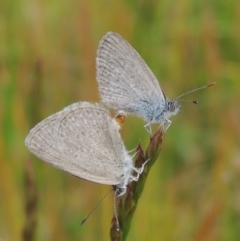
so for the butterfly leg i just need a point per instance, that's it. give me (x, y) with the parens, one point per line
(167, 123)
(148, 128)
(161, 125)
(133, 151)
(138, 171)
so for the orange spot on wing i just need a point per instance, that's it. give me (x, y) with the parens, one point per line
(120, 118)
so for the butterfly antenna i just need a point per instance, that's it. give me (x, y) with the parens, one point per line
(85, 219)
(203, 87)
(191, 101)
(115, 211)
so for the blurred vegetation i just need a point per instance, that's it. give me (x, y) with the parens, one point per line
(47, 61)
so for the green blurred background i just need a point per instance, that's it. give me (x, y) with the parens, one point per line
(47, 61)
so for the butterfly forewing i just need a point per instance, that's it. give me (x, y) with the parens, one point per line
(83, 140)
(125, 81)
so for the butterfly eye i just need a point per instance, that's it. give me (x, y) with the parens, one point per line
(172, 107)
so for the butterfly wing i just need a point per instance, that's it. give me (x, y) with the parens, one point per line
(125, 81)
(81, 140)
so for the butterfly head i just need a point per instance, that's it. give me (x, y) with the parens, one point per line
(173, 108)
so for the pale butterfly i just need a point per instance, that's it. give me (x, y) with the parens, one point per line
(84, 141)
(127, 85)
